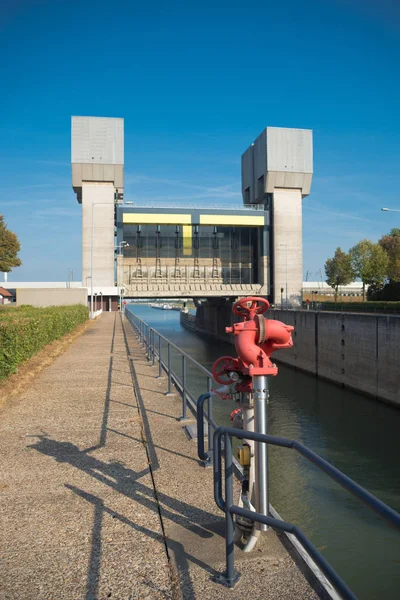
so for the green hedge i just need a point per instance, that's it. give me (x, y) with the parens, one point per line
(369, 306)
(25, 330)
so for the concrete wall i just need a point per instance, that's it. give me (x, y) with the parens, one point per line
(52, 297)
(358, 351)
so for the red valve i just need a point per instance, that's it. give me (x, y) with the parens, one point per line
(256, 338)
(222, 367)
(258, 306)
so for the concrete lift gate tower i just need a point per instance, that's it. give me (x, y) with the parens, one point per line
(97, 156)
(277, 170)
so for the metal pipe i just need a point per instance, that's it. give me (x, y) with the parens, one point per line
(159, 358)
(260, 395)
(210, 429)
(169, 370)
(184, 402)
(230, 527)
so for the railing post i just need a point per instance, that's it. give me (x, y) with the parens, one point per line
(159, 358)
(152, 347)
(210, 430)
(184, 399)
(201, 453)
(230, 577)
(169, 392)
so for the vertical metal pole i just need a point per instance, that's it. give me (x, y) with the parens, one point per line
(210, 429)
(169, 370)
(260, 394)
(153, 355)
(91, 265)
(286, 279)
(184, 401)
(159, 357)
(230, 527)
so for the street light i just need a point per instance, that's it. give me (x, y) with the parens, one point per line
(121, 245)
(285, 246)
(119, 285)
(390, 209)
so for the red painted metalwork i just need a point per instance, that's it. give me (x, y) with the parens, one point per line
(256, 338)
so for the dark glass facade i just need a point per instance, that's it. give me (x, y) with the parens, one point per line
(234, 249)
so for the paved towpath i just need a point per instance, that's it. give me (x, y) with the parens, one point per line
(83, 515)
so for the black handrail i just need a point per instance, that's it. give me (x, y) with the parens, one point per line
(231, 576)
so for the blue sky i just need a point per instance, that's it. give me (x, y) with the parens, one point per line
(196, 83)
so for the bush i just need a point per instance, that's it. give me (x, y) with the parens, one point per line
(25, 330)
(364, 307)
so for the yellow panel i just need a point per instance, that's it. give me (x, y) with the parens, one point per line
(187, 239)
(157, 219)
(232, 220)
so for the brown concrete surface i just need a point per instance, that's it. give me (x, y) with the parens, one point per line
(80, 507)
(78, 513)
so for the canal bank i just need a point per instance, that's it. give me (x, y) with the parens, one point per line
(357, 435)
(357, 351)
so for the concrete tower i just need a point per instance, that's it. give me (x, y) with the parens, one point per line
(277, 170)
(97, 157)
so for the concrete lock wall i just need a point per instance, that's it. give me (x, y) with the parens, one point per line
(52, 296)
(357, 351)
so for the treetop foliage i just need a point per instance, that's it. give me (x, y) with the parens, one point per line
(9, 248)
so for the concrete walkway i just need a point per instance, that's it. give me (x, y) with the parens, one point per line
(83, 515)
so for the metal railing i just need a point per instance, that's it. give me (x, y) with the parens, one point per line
(230, 577)
(193, 205)
(154, 343)
(220, 440)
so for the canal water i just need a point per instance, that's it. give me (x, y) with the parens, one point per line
(361, 437)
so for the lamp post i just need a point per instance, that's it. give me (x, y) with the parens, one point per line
(119, 284)
(286, 286)
(91, 252)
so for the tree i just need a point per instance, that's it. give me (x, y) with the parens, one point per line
(370, 263)
(9, 248)
(391, 244)
(339, 270)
